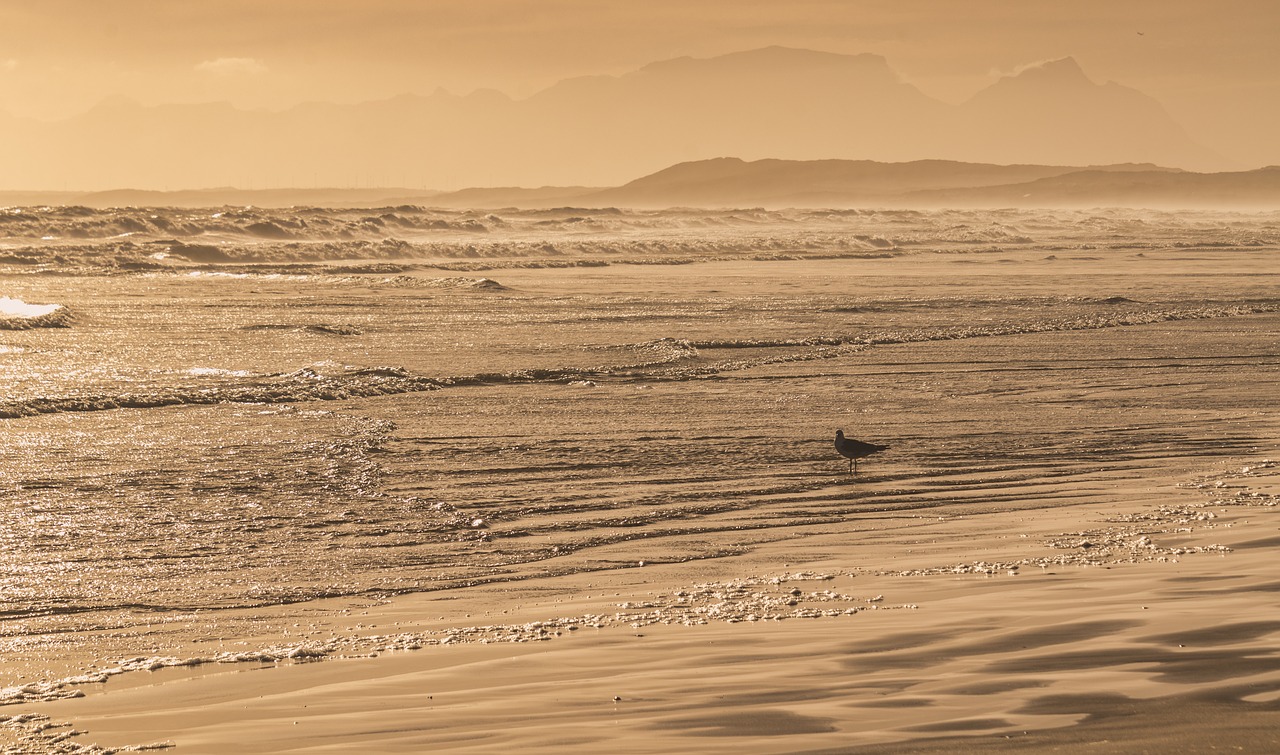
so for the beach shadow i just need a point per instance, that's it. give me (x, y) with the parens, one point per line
(759, 723)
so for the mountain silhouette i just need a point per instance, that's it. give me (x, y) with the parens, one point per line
(774, 102)
(729, 182)
(1088, 123)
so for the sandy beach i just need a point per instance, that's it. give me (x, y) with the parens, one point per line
(1149, 647)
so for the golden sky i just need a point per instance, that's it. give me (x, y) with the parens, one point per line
(1214, 65)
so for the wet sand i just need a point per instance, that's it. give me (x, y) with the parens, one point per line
(1174, 653)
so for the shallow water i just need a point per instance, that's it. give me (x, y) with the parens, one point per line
(318, 416)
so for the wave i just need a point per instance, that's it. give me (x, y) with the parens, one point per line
(298, 269)
(409, 281)
(280, 234)
(248, 223)
(322, 383)
(370, 275)
(660, 359)
(307, 384)
(216, 372)
(754, 343)
(835, 346)
(255, 275)
(317, 329)
(1082, 322)
(16, 314)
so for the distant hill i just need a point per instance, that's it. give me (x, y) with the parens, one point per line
(773, 102)
(734, 182)
(1244, 190)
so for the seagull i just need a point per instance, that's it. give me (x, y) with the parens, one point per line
(854, 450)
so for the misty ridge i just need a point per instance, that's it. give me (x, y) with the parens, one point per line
(774, 103)
(726, 183)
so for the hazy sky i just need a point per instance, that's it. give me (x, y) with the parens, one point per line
(1214, 64)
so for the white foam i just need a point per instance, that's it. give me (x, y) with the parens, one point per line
(245, 276)
(208, 371)
(18, 308)
(215, 274)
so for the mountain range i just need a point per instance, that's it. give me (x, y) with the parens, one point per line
(773, 102)
(736, 183)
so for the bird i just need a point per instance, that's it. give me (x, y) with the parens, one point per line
(854, 450)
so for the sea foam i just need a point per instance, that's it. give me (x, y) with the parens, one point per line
(17, 308)
(16, 314)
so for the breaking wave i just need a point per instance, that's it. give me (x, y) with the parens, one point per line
(16, 314)
(309, 241)
(409, 281)
(316, 329)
